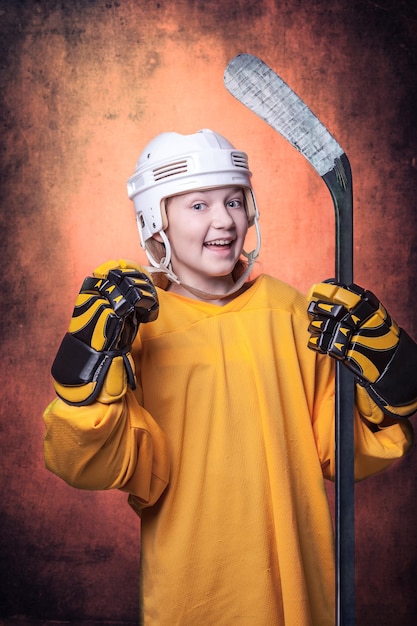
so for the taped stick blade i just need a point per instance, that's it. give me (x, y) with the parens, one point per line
(261, 90)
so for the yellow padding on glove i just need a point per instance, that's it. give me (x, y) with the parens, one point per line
(333, 294)
(367, 407)
(402, 411)
(74, 394)
(115, 383)
(102, 270)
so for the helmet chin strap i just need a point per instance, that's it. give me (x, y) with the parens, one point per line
(165, 267)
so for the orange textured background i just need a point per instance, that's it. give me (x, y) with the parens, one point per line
(85, 85)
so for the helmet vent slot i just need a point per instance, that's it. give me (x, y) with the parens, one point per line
(240, 160)
(172, 169)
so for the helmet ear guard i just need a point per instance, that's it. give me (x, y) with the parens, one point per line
(172, 164)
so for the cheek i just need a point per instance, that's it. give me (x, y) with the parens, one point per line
(181, 236)
(242, 225)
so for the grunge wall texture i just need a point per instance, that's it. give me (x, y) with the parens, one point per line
(84, 85)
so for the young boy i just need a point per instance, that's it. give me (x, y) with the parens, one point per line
(224, 434)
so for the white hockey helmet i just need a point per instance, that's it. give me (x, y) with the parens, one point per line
(172, 164)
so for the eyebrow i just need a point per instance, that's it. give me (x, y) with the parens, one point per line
(236, 189)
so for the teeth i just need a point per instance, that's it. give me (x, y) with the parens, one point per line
(218, 242)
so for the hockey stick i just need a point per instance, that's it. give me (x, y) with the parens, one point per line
(260, 89)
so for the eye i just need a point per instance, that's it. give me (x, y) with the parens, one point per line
(198, 206)
(235, 203)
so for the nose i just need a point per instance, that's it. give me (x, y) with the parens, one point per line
(222, 217)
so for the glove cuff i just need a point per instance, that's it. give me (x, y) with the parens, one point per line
(395, 391)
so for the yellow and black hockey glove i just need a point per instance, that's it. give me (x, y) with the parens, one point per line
(94, 360)
(350, 324)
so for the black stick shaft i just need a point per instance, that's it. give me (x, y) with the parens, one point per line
(344, 408)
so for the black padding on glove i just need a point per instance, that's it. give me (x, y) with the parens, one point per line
(77, 363)
(397, 386)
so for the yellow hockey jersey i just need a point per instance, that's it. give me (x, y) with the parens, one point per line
(223, 447)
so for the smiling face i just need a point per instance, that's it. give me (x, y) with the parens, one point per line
(207, 230)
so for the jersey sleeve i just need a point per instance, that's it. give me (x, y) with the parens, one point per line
(114, 446)
(377, 450)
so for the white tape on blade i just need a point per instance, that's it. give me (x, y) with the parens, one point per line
(260, 89)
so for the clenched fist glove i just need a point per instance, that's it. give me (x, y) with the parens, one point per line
(94, 360)
(350, 324)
